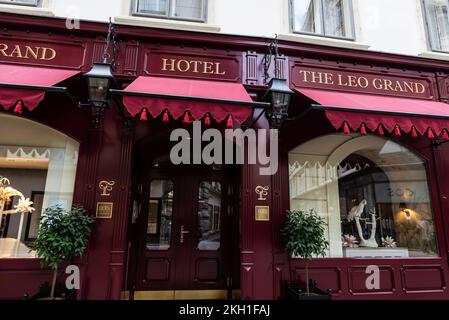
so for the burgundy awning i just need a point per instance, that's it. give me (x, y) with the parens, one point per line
(199, 98)
(28, 84)
(361, 112)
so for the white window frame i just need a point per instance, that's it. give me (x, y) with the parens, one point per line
(37, 3)
(170, 9)
(352, 37)
(427, 26)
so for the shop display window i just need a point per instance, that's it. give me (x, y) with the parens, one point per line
(39, 164)
(372, 192)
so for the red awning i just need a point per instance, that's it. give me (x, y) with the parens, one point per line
(29, 77)
(367, 111)
(199, 97)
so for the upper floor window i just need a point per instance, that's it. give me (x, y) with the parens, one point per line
(436, 12)
(33, 3)
(330, 18)
(194, 10)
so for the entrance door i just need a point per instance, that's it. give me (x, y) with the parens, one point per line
(188, 234)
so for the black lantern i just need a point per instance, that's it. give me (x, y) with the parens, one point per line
(101, 77)
(99, 80)
(279, 95)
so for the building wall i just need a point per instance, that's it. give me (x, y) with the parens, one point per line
(380, 25)
(106, 153)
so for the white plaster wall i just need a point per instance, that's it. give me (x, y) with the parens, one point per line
(252, 17)
(391, 26)
(380, 25)
(95, 10)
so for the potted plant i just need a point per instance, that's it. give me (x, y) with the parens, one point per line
(304, 237)
(62, 235)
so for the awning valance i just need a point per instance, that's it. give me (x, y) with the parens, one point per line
(178, 97)
(382, 114)
(27, 85)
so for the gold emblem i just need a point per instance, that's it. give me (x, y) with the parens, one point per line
(262, 192)
(106, 187)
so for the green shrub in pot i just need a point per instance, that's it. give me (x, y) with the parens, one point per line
(304, 237)
(62, 235)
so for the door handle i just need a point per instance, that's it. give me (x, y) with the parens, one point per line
(183, 232)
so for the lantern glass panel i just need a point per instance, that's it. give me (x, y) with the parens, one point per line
(98, 89)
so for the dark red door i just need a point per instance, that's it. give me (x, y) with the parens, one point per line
(188, 232)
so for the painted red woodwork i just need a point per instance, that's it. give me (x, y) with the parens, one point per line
(427, 276)
(362, 104)
(358, 276)
(108, 153)
(195, 65)
(157, 270)
(188, 88)
(353, 81)
(43, 52)
(182, 266)
(207, 269)
(34, 76)
(423, 278)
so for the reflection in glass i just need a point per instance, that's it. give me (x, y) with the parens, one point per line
(333, 11)
(209, 215)
(305, 16)
(330, 18)
(188, 9)
(156, 7)
(372, 192)
(160, 213)
(438, 24)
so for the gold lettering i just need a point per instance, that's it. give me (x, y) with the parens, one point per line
(44, 54)
(388, 85)
(16, 52)
(305, 74)
(328, 78)
(186, 65)
(409, 87)
(398, 87)
(363, 82)
(352, 81)
(217, 69)
(34, 54)
(340, 81)
(317, 77)
(170, 65)
(208, 67)
(27, 52)
(419, 88)
(377, 84)
(3, 48)
(195, 65)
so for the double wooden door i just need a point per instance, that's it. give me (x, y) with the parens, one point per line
(186, 234)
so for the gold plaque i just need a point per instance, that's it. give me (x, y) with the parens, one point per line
(262, 213)
(104, 210)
